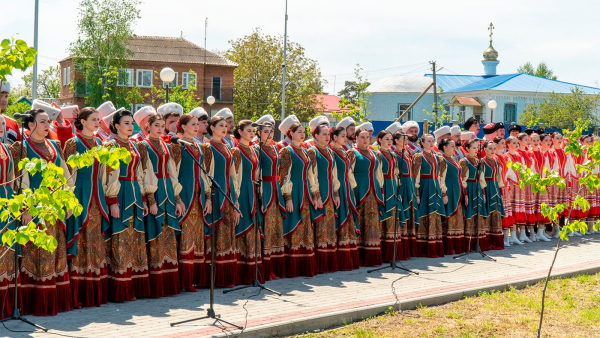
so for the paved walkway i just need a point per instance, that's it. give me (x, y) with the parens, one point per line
(306, 297)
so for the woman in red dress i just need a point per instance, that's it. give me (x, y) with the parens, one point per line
(508, 220)
(516, 199)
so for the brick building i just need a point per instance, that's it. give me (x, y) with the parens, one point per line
(214, 73)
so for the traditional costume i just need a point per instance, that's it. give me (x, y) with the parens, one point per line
(406, 204)
(493, 206)
(227, 114)
(298, 185)
(7, 258)
(366, 166)
(85, 239)
(345, 123)
(283, 128)
(453, 227)
(473, 204)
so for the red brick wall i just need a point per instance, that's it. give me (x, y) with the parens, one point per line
(226, 74)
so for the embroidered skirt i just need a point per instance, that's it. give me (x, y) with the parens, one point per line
(326, 240)
(7, 281)
(387, 240)
(273, 244)
(471, 234)
(226, 269)
(429, 236)
(453, 232)
(300, 248)
(193, 270)
(494, 227)
(347, 246)
(162, 261)
(89, 268)
(246, 246)
(370, 232)
(508, 220)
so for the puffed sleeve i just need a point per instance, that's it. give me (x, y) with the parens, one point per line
(336, 181)
(416, 171)
(146, 178)
(236, 170)
(443, 172)
(352, 161)
(209, 166)
(173, 168)
(482, 177)
(313, 173)
(112, 185)
(65, 168)
(379, 172)
(499, 175)
(71, 149)
(15, 151)
(284, 173)
(464, 175)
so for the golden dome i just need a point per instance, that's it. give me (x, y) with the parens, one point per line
(490, 54)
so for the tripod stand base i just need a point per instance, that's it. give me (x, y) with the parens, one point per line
(477, 250)
(255, 284)
(16, 315)
(393, 265)
(210, 313)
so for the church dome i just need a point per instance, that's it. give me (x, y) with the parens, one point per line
(490, 54)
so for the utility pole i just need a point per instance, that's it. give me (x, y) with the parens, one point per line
(435, 98)
(284, 69)
(204, 70)
(35, 45)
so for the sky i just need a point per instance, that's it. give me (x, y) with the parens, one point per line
(385, 37)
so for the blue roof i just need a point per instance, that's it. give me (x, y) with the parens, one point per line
(519, 82)
(450, 82)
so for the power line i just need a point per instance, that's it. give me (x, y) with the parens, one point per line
(377, 70)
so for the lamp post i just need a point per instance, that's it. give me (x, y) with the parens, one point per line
(492, 105)
(210, 100)
(167, 75)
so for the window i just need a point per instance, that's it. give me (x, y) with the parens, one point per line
(216, 87)
(64, 76)
(173, 83)
(188, 80)
(144, 78)
(510, 112)
(125, 78)
(139, 106)
(401, 109)
(68, 75)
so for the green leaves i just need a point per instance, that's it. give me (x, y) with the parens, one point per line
(109, 156)
(15, 53)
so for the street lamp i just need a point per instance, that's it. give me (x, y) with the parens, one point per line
(492, 105)
(167, 75)
(210, 100)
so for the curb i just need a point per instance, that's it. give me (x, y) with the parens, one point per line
(338, 318)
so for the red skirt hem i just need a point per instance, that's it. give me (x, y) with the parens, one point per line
(164, 281)
(90, 290)
(454, 245)
(300, 263)
(387, 250)
(327, 259)
(370, 256)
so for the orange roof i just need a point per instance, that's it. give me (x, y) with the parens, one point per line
(329, 103)
(467, 101)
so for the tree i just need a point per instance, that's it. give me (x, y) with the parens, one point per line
(442, 115)
(258, 77)
(187, 98)
(48, 83)
(101, 48)
(354, 98)
(542, 70)
(588, 180)
(561, 109)
(15, 54)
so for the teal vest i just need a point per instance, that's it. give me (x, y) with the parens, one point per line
(88, 190)
(246, 199)
(407, 199)
(347, 207)
(324, 166)
(222, 171)
(429, 187)
(164, 195)
(453, 185)
(130, 198)
(390, 184)
(364, 173)
(271, 189)
(300, 191)
(190, 179)
(473, 192)
(493, 198)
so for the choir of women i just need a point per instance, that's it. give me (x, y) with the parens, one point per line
(319, 207)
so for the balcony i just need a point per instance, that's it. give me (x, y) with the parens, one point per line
(222, 95)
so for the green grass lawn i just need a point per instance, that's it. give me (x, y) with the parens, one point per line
(572, 310)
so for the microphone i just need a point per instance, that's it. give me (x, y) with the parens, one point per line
(20, 116)
(177, 140)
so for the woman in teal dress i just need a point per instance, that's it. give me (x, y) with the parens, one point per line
(493, 205)
(324, 168)
(89, 263)
(426, 171)
(346, 221)
(165, 207)
(453, 227)
(300, 191)
(407, 199)
(273, 205)
(126, 195)
(245, 157)
(473, 202)
(224, 218)
(195, 196)
(44, 275)
(389, 225)
(366, 166)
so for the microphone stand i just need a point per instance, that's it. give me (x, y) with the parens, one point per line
(478, 214)
(257, 194)
(210, 313)
(16, 314)
(393, 265)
